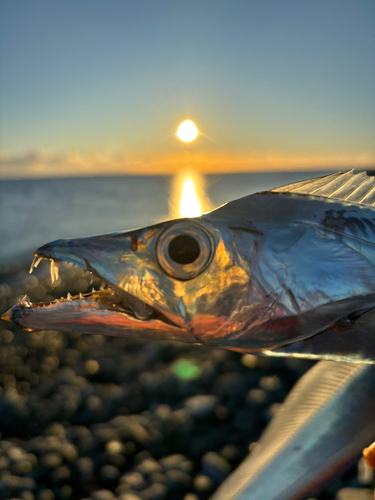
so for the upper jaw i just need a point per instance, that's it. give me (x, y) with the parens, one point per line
(113, 259)
(134, 312)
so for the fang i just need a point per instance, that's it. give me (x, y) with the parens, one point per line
(52, 271)
(35, 263)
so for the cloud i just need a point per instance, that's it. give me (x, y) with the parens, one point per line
(39, 163)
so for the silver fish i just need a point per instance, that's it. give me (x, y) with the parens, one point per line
(324, 423)
(288, 272)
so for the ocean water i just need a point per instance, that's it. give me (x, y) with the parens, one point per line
(33, 212)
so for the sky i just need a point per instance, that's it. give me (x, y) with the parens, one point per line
(94, 87)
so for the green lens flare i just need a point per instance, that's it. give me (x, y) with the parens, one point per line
(186, 369)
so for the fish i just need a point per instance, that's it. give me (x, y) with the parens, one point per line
(286, 272)
(320, 429)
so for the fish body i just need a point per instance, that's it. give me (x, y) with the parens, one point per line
(323, 425)
(286, 272)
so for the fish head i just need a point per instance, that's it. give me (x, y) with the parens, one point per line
(177, 280)
(287, 272)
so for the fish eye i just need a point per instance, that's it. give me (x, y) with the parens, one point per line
(184, 250)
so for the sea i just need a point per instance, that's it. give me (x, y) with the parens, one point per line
(35, 211)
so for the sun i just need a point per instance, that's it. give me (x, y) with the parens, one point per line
(187, 131)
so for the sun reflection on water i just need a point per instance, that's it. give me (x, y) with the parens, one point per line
(188, 196)
(189, 203)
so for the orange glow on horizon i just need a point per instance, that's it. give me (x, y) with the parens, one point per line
(74, 164)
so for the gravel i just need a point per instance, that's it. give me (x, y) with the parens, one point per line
(101, 418)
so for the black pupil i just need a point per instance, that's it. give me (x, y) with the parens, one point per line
(184, 249)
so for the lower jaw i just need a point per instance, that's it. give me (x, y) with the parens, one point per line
(92, 317)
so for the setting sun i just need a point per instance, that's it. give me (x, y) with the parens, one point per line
(187, 131)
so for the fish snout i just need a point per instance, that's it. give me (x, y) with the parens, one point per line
(48, 251)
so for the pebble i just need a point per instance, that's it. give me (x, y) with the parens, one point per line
(109, 472)
(46, 495)
(114, 447)
(51, 460)
(229, 452)
(85, 464)
(91, 367)
(60, 474)
(249, 360)
(66, 491)
(177, 462)
(155, 492)
(177, 479)
(129, 496)
(133, 480)
(257, 396)
(215, 466)
(271, 383)
(201, 406)
(148, 466)
(203, 483)
(102, 495)
(27, 495)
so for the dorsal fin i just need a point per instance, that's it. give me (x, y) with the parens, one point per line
(346, 186)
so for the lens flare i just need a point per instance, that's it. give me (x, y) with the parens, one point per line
(187, 131)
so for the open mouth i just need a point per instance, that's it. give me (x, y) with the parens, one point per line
(109, 296)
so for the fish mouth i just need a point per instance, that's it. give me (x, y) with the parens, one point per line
(109, 301)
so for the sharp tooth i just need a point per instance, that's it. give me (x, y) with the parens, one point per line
(32, 265)
(52, 271)
(91, 279)
(25, 298)
(56, 270)
(35, 263)
(68, 296)
(93, 290)
(80, 295)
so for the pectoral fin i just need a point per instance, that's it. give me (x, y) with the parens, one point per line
(351, 339)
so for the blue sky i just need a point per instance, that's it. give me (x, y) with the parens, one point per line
(104, 83)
